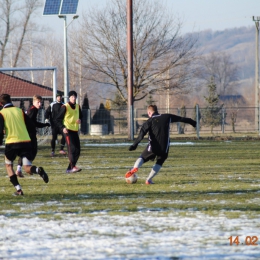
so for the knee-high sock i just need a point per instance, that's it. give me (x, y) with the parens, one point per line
(138, 163)
(156, 168)
(14, 181)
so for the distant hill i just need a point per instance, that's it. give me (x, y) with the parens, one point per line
(238, 42)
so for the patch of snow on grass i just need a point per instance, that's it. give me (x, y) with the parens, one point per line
(143, 235)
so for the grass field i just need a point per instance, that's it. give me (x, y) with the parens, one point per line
(206, 192)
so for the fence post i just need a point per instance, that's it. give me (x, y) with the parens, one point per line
(259, 120)
(88, 121)
(198, 121)
(223, 120)
(178, 123)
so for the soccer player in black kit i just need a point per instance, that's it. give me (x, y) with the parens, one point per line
(32, 113)
(51, 116)
(158, 128)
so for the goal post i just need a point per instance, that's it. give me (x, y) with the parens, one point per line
(53, 69)
(23, 83)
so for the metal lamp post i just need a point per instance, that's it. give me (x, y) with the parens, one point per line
(256, 19)
(66, 63)
(130, 69)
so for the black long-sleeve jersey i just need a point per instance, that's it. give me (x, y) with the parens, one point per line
(53, 111)
(158, 128)
(32, 112)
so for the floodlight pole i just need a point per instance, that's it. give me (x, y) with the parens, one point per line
(66, 62)
(256, 19)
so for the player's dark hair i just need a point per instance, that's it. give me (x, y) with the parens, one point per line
(5, 99)
(152, 108)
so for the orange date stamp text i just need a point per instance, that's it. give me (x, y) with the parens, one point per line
(249, 240)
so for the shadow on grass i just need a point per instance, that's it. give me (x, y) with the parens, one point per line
(130, 202)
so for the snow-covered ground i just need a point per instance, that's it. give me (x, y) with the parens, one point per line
(128, 144)
(143, 235)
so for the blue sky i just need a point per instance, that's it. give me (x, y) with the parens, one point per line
(197, 15)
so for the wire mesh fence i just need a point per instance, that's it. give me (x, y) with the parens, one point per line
(114, 122)
(229, 120)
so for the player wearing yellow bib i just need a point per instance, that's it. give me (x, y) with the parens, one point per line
(16, 126)
(68, 121)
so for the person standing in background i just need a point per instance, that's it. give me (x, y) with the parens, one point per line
(68, 120)
(51, 116)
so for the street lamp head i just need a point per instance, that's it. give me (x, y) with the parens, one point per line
(75, 16)
(61, 16)
(256, 18)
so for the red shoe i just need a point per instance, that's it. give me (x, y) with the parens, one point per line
(131, 172)
(19, 174)
(149, 182)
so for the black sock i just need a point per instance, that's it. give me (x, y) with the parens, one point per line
(33, 169)
(14, 180)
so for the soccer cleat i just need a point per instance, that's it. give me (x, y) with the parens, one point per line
(18, 193)
(43, 174)
(73, 170)
(19, 174)
(149, 182)
(131, 172)
(52, 154)
(62, 152)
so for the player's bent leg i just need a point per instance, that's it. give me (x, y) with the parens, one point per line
(131, 172)
(9, 167)
(19, 168)
(32, 169)
(138, 163)
(43, 174)
(14, 181)
(156, 168)
(27, 164)
(13, 178)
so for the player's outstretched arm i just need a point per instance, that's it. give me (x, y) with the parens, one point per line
(189, 121)
(186, 120)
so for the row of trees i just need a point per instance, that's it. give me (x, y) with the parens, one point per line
(164, 58)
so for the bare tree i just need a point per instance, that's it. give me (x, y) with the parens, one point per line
(15, 22)
(219, 66)
(162, 57)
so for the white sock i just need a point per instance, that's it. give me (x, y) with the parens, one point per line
(18, 187)
(19, 168)
(156, 168)
(139, 162)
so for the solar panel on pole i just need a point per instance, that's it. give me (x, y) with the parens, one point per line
(52, 7)
(60, 7)
(69, 7)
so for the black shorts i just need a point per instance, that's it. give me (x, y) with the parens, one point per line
(56, 131)
(19, 149)
(148, 155)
